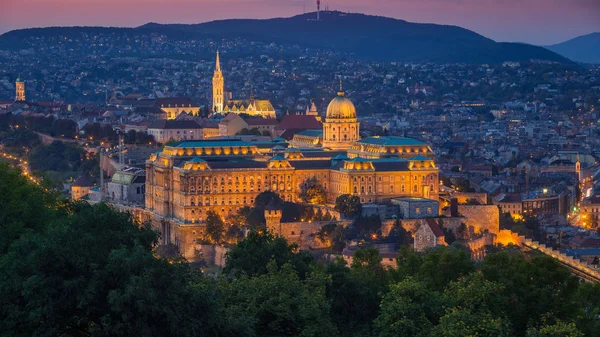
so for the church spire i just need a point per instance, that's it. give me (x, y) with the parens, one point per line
(218, 63)
(341, 92)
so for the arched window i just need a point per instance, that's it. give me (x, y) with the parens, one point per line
(415, 189)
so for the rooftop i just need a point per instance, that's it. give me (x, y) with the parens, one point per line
(390, 141)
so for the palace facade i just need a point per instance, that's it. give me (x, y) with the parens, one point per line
(185, 181)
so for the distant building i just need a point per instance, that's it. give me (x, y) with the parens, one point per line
(127, 186)
(174, 106)
(416, 208)
(511, 203)
(165, 130)
(20, 90)
(428, 235)
(253, 107)
(231, 125)
(81, 187)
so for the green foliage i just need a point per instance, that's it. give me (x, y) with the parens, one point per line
(68, 159)
(253, 132)
(409, 309)
(333, 235)
(558, 329)
(532, 288)
(251, 256)
(280, 303)
(314, 194)
(349, 205)
(265, 198)
(92, 273)
(215, 227)
(24, 207)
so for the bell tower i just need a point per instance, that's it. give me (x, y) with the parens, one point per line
(218, 87)
(20, 90)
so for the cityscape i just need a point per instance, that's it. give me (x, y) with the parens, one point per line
(327, 172)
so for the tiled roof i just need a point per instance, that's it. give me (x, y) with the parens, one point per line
(311, 133)
(310, 164)
(299, 122)
(174, 124)
(175, 101)
(259, 121)
(435, 228)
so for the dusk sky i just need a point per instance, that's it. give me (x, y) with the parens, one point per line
(532, 21)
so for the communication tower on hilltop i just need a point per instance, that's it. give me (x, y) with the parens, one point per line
(318, 9)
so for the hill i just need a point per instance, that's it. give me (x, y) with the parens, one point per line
(585, 48)
(362, 36)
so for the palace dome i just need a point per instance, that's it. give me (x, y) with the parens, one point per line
(341, 107)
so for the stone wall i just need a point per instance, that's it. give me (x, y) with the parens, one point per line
(214, 254)
(302, 233)
(411, 225)
(481, 217)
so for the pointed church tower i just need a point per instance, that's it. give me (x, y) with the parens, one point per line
(218, 87)
(20, 90)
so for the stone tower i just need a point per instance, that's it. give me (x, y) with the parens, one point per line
(218, 87)
(273, 217)
(20, 90)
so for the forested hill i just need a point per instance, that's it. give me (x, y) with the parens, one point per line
(584, 48)
(362, 36)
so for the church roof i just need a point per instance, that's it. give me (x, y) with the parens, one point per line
(242, 105)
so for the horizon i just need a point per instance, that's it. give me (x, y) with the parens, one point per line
(528, 24)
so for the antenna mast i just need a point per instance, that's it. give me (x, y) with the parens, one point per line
(318, 9)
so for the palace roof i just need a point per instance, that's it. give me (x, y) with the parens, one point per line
(390, 141)
(213, 143)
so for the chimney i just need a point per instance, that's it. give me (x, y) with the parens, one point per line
(454, 207)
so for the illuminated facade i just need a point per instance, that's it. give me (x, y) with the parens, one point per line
(252, 107)
(218, 87)
(20, 90)
(341, 128)
(185, 181)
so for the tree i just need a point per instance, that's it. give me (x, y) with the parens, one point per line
(314, 194)
(251, 256)
(215, 228)
(349, 205)
(92, 273)
(280, 303)
(442, 265)
(24, 207)
(466, 322)
(409, 309)
(265, 198)
(558, 329)
(532, 288)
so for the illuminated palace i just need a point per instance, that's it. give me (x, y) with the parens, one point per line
(185, 181)
(253, 107)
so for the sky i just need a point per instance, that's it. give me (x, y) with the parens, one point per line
(540, 22)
